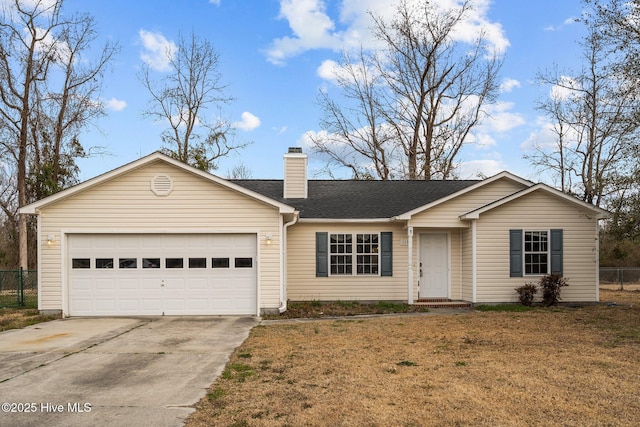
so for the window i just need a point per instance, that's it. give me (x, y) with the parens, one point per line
(81, 263)
(173, 263)
(341, 248)
(536, 252)
(220, 262)
(150, 262)
(104, 262)
(244, 262)
(372, 254)
(197, 263)
(128, 263)
(367, 253)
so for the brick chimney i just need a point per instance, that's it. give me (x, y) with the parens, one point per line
(295, 174)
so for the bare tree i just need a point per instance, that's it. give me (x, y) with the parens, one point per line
(39, 48)
(416, 101)
(595, 112)
(182, 97)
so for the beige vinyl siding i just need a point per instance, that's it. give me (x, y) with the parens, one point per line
(295, 180)
(303, 285)
(127, 204)
(536, 211)
(446, 214)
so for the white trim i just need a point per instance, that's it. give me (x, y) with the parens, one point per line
(597, 255)
(410, 270)
(151, 158)
(39, 242)
(64, 272)
(475, 214)
(501, 175)
(548, 252)
(345, 220)
(474, 262)
(354, 254)
(258, 270)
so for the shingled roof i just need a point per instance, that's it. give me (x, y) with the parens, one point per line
(351, 199)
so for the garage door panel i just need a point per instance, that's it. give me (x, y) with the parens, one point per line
(167, 274)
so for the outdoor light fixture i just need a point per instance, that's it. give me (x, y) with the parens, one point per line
(50, 239)
(268, 238)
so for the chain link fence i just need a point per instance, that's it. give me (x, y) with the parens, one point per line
(620, 277)
(18, 288)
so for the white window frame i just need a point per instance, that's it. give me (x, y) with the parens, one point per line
(525, 252)
(354, 254)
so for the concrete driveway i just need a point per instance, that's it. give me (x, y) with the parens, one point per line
(113, 371)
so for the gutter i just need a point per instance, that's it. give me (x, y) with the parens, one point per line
(283, 281)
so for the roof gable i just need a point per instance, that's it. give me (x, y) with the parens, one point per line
(502, 175)
(140, 163)
(475, 214)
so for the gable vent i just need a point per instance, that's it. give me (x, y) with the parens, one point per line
(161, 185)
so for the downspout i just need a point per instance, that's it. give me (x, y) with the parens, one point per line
(283, 264)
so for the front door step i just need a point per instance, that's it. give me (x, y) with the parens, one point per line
(441, 303)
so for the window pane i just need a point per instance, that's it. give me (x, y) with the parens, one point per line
(220, 262)
(244, 262)
(150, 262)
(197, 263)
(341, 248)
(173, 263)
(367, 258)
(104, 262)
(128, 263)
(81, 263)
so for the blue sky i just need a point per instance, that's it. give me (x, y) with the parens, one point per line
(276, 54)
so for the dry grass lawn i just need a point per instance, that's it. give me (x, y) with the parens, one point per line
(558, 366)
(17, 318)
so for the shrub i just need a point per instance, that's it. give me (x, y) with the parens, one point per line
(526, 293)
(551, 285)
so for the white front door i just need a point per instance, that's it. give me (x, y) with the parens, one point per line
(434, 265)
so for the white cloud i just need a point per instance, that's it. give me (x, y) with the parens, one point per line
(328, 70)
(569, 21)
(115, 104)
(501, 118)
(313, 28)
(216, 2)
(474, 169)
(508, 85)
(566, 89)
(248, 122)
(157, 50)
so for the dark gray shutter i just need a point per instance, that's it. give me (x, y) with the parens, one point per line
(322, 254)
(386, 254)
(515, 253)
(556, 252)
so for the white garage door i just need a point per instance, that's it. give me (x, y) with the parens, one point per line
(162, 274)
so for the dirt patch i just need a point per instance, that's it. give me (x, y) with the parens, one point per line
(17, 318)
(569, 366)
